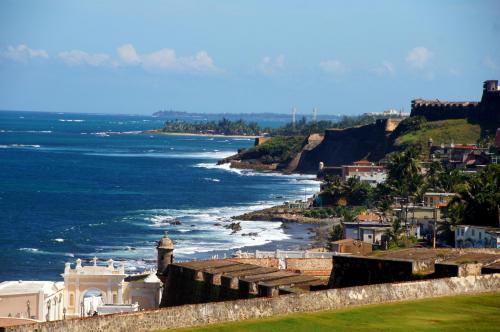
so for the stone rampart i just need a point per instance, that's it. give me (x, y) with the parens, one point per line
(211, 313)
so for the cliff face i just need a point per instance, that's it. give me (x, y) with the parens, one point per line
(342, 147)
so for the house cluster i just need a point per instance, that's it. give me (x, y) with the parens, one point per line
(421, 222)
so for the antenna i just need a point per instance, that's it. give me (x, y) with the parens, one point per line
(315, 114)
(294, 112)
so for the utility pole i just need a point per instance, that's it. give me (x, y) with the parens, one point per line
(294, 111)
(434, 230)
(315, 114)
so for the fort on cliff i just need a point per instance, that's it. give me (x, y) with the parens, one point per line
(486, 111)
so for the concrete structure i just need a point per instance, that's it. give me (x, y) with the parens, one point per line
(437, 199)
(38, 300)
(470, 236)
(366, 171)
(104, 281)
(226, 279)
(106, 285)
(351, 246)
(230, 311)
(367, 227)
(165, 250)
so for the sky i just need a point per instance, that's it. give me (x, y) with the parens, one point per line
(346, 57)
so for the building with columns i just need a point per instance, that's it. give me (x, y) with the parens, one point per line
(89, 287)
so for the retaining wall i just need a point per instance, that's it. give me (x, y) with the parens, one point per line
(208, 313)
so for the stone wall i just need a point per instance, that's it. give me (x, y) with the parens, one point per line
(210, 313)
(267, 261)
(359, 270)
(310, 266)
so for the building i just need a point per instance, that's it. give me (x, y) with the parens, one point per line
(460, 155)
(486, 111)
(437, 199)
(90, 287)
(351, 246)
(470, 236)
(298, 204)
(367, 227)
(366, 172)
(38, 300)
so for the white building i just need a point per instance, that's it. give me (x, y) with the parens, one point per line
(89, 287)
(39, 300)
(468, 236)
(366, 171)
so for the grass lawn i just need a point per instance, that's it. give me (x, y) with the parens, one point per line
(458, 313)
(457, 130)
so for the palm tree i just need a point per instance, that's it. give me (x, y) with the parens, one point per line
(478, 200)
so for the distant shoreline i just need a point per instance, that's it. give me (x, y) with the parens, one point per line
(200, 135)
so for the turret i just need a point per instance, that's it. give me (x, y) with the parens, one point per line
(165, 250)
(490, 85)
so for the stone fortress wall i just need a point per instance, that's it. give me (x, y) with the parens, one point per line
(485, 111)
(220, 312)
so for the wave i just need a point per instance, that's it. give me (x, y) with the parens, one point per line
(71, 120)
(212, 179)
(188, 155)
(26, 131)
(20, 146)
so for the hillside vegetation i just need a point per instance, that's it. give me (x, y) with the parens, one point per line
(279, 149)
(459, 131)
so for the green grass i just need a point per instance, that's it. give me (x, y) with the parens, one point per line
(458, 313)
(459, 131)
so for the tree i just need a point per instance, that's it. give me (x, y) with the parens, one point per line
(478, 199)
(337, 233)
(394, 232)
(404, 172)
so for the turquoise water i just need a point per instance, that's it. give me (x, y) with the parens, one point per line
(81, 185)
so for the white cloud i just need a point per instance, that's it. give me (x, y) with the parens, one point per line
(127, 54)
(164, 59)
(333, 67)
(23, 53)
(271, 66)
(167, 59)
(78, 57)
(419, 57)
(386, 68)
(490, 63)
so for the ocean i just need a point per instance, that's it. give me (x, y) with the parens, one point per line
(84, 185)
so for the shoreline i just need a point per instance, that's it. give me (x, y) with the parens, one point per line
(199, 134)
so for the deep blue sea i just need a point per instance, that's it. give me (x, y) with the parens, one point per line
(85, 185)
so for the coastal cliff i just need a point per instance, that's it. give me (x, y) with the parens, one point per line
(342, 147)
(336, 147)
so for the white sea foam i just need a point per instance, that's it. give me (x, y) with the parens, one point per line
(20, 146)
(212, 179)
(26, 131)
(187, 155)
(60, 240)
(71, 120)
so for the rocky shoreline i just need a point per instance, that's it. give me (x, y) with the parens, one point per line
(281, 213)
(321, 227)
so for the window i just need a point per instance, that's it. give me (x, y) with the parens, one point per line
(473, 232)
(71, 300)
(480, 235)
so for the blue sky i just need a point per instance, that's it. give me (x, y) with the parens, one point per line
(244, 56)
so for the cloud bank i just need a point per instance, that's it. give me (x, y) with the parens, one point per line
(22, 53)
